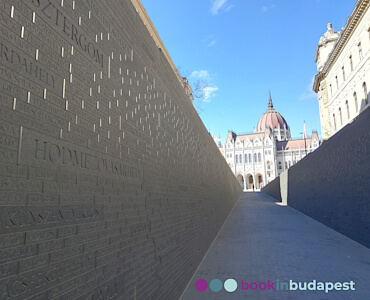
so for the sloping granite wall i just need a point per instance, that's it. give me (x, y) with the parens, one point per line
(110, 185)
(331, 184)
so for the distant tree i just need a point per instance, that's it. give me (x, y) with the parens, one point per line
(199, 89)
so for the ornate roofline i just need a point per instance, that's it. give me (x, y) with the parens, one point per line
(353, 20)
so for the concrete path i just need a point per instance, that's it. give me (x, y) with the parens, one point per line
(262, 241)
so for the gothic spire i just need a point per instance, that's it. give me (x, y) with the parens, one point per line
(270, 105)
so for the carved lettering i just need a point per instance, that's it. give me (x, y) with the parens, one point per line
(53, 12)
(25, 65)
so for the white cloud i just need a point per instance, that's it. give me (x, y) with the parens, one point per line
(209, 92)
(308, 93)
(210, 41)
(202, 81)
(216, 6)
(201, 74)
(266, 8)
(229, 8)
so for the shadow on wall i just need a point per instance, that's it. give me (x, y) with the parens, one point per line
(331, 184)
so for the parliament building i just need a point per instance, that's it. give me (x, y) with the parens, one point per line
(259, 157)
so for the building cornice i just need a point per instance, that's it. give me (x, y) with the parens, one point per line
(353, 20)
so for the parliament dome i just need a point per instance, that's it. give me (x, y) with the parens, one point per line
(271, 119)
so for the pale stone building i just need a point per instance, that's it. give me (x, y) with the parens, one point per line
(343, 64)
(259, 157)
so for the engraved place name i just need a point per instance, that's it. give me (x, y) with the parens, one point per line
(55, 15)
(30, 283)
(18, 184)
(19, 198)
(65, 253)
(11, 170)
(25, 65)
(59, 154)
(36, 236)
(16, 85)
(24, 217)
(11, 254)
(11, 240)
(7, 270)
(33, 262)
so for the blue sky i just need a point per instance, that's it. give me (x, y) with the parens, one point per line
(243, 48)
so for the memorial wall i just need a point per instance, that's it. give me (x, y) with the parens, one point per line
(110, 185)
(331, 184)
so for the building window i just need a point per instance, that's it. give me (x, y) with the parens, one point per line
(286, 165)
(259, 157)
(335, 125)
(250, 158)
(351, 62)
(347, 107)
(344, 74)
(360, 50)
(340, 116)
(355, 100)
(336, 81)
(268, 165)
(240, 158)
(246, 158)
(255, 157)
(236, 159)
(365, 92)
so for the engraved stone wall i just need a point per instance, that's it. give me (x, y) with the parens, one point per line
(331, 184)
(110, 185)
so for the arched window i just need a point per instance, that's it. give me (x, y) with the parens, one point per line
(335, 125)
(255, 157)
(236, 159)
(355, 100)
(347, 107)
(250, 158)
(240, 158)
(246, 158)
(365, 92)
(340, 116)
(259, 157)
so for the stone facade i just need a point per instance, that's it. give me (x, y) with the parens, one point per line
(110, 185)
(258, 158)
(343, 64)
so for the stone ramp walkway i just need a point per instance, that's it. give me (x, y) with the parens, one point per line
(263, 241)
